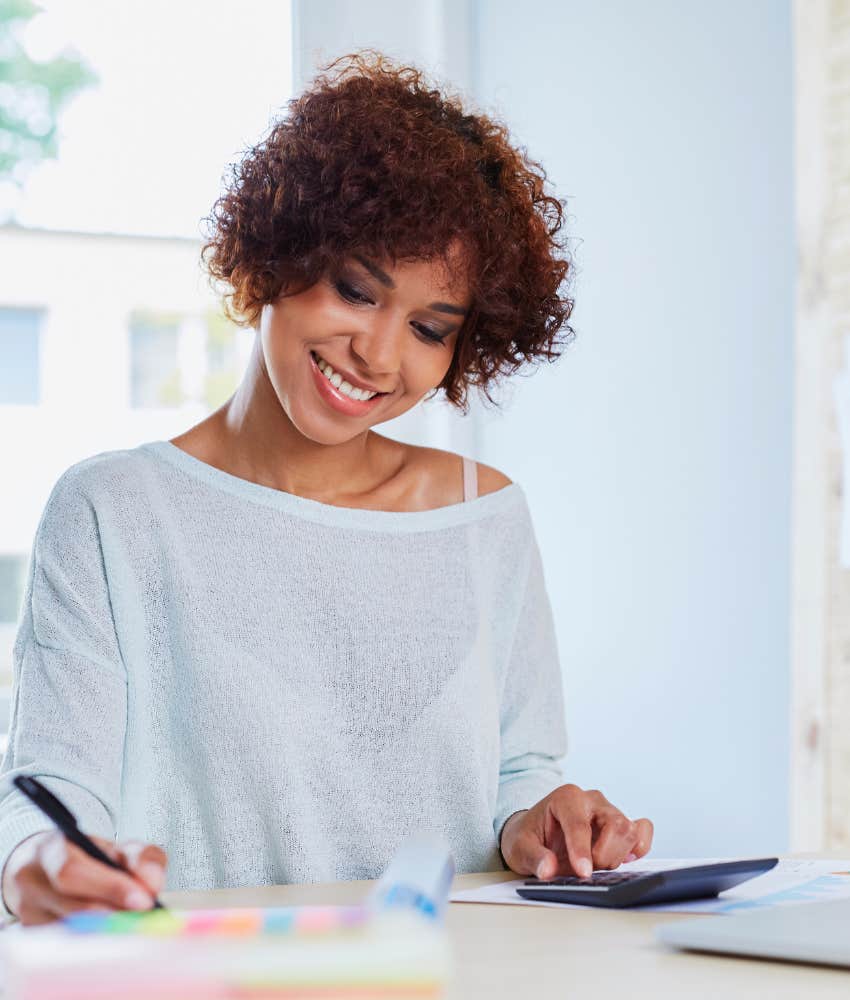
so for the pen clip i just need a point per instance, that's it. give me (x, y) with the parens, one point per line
(46, 800)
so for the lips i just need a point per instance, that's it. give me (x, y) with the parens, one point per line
(338, 401)
(348, 377)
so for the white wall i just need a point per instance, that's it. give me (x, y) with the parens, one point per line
(656, 453)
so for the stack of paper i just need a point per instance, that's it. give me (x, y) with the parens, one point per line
(257, 954)
(393, 947)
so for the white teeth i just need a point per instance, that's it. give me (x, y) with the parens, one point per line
(336, 380)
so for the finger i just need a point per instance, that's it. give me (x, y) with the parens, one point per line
(40, 903)
(146, 861)
(530, 856)
(646, 831)
(33, 915)
(597, 801)
(63, 906)
(34, 895)
(576, 831)
(71, 872)
(615, 840)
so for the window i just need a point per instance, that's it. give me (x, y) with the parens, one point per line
(138, 363)
(154, 368)
(19, 351)
(13, 570)
(224, 366)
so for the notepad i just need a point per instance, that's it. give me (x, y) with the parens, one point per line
(250, 955)
(391, 946)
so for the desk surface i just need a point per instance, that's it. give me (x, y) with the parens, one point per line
(502, 952)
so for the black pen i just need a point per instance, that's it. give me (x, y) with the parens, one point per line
(52, 808)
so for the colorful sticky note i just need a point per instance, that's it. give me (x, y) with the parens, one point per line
(278, 921)
(240, 922)
(160, 923)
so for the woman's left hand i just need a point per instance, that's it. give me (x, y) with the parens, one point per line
(572, 832)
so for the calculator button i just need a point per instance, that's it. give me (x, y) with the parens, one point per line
(566, 880)
(597, 879)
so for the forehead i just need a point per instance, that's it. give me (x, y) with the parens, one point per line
(439, 279)
(444, 277)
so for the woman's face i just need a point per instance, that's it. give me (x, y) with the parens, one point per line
(384, 328)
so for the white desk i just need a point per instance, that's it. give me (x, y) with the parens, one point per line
(533, 953)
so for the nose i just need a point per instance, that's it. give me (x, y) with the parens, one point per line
(379, 345)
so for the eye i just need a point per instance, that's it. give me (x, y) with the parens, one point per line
(430, 334)
(350, 293)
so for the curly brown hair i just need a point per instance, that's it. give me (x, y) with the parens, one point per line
(372, 159)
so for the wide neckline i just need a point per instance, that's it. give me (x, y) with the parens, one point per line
(464, 512)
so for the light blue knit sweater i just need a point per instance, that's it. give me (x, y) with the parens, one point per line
(275, 689)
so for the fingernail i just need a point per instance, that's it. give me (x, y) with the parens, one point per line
(152, 874)
(584, 869)
(541, 870)
(629, 857)
(138, 899)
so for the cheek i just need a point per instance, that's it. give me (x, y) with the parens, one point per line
(428, 363)
(279, 351)
(434, 365)
(422, 373)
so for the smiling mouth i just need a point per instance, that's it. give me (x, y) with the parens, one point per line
(341, 385)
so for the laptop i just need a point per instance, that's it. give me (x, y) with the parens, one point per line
(805, 932)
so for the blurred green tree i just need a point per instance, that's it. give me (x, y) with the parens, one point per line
(31, 94)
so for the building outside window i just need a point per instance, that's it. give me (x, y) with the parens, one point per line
(20, 351)
(109, 331)
(154, 361)
(225, 361)
(145, 362)
(13, 570)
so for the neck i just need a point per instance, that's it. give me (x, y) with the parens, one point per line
(258, 442)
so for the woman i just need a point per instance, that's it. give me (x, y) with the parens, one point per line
(277, 644)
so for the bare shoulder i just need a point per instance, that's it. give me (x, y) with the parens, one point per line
(490, 479)
(439, 476)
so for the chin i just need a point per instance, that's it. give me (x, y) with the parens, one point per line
(324, 431)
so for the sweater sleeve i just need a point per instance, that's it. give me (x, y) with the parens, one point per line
(533, 730)
(69, 683)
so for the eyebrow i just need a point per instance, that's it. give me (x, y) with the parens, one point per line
(388, 282)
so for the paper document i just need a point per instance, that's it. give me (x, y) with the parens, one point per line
(791, 881)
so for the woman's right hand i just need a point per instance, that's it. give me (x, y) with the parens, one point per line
(46, 877)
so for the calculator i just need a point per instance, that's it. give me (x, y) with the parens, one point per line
(638, 888)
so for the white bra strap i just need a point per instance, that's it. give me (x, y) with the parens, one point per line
(470, 479)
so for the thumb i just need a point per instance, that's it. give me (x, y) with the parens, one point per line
(547, 863)
(530, 856)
